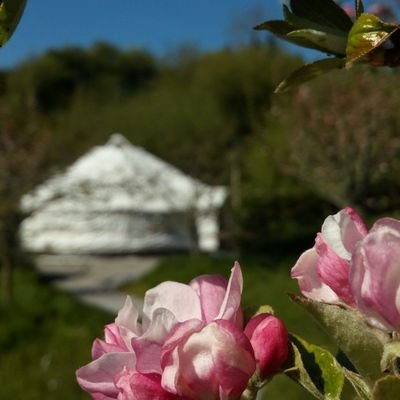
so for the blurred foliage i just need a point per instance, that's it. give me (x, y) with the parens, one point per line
(346, 143)
(288, 160)
(44, 338)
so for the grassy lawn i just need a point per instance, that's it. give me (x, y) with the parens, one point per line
(266, 281)
(44, 338)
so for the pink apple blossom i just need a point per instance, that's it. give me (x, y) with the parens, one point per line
(375, 275)
(348, 264)
(269, 339)
(323, 271)
(206, 298)
(207, 361)
(129, 355)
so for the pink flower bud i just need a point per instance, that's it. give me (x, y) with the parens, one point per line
(269, 339)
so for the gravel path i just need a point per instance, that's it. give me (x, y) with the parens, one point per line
(93, 279)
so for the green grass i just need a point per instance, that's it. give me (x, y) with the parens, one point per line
(266, 281)
(44, 337)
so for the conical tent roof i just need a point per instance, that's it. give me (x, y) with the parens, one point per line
(120, 176)
(120, 198)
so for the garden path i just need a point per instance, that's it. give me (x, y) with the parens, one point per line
(94, 279)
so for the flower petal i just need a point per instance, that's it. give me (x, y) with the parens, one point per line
(100, 347)
(333, 271)
(99, 375)
(230, 307)
(128, 317)
(209, 361)
(148, 347)
(146, 387)
(176, 297)
(211, 290)
(343, 231)
(375, 275)
(310, 284)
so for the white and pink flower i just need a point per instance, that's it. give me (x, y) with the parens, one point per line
(354, 266)
(190, 345)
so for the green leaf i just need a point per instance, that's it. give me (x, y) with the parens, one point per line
(324, 12)
(391, 358)
(368, 33)
(315, 369)
(10, 14)
(252, 311)
(282, 29)
(308, 72)
(387, 388)
(360, 386)
(265, 308)
(302, 23)
(333, 44)
(361, 343)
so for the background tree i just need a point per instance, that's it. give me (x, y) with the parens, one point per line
(342, 137)
(22, 153)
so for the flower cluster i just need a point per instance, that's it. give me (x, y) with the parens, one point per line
(191, 344)
(356, 267)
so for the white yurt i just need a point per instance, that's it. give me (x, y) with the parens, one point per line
(116, 199)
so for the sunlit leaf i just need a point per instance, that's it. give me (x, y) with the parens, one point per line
(315, 369)
(387, 388)
(308, 72)
(333, 44)
(368, 33)
(361, 343)
(360, 386)
(324, 12)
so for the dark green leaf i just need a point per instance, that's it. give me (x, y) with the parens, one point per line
(308, 72)
(360, 386)
(277, 27)
(387, 388)
(302, 23)
(361, 343)
(315, 369)
(368, 33)
(324, 12)
(10, 14)
(282, 29)
(295, 370)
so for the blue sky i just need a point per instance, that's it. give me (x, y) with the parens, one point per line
(157, 25)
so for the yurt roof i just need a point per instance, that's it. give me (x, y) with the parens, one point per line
(121, 177)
